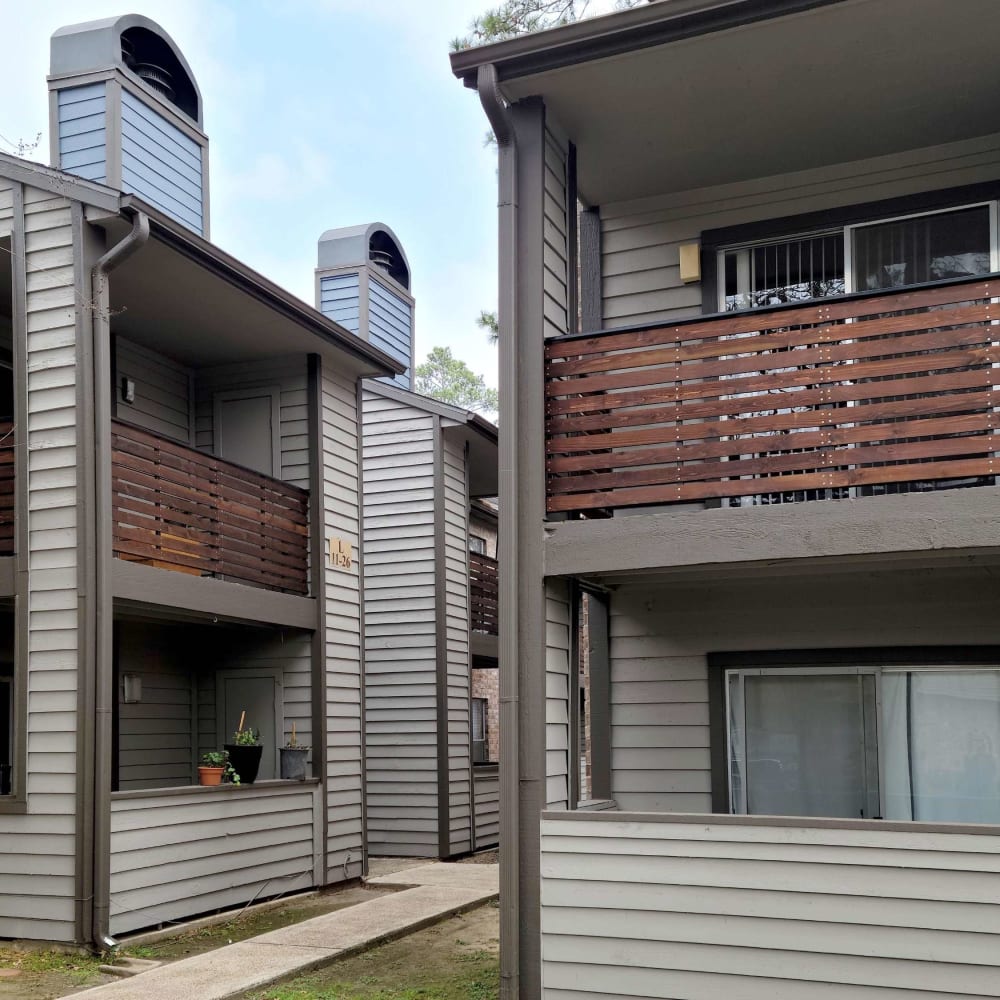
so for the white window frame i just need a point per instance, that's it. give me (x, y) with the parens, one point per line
(820, 670)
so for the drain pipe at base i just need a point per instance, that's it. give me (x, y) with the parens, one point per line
(103, 595)
(510, 775)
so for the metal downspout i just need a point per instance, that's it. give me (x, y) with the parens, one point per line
(103, 682)
(510, 738)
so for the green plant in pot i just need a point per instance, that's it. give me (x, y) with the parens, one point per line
(245, 751)
(215, 769)
(293, 759)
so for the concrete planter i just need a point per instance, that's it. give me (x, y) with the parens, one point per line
(293, 763)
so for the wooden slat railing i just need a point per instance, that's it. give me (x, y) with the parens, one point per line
(870, 392)
(181, 509)
(484, 594)
(6, 488)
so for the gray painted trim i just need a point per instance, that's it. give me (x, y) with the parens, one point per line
(359, 416)
(59, 183)
(625, 31)
(113, 134)
(88, 248)
(317, 565)
(600, 696)
(8, 568)
(54, 157)
(782, 822)
(468, 636)
(135, 585)
(575, 722)
(275, 784)
(483, 644)
(952, 522)
(441, 646)
(591, 313)
(18, 800)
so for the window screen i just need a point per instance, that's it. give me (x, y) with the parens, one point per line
(480, 747)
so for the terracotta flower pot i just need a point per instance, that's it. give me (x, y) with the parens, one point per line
(210, 775)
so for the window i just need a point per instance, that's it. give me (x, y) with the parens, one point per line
(888, 253)
(477, 545)
(902, 743)
(480, 744)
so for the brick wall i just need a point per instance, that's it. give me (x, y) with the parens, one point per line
(486, 684)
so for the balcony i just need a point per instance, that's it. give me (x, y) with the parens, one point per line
(180, 509)
(483, 594)
(860, 395)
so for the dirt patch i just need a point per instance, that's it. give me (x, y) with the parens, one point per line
(458, 959)
(30, 974)
(482, 858)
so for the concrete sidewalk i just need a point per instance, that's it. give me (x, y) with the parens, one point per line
(429, 893)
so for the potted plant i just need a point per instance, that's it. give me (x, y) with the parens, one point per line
(215, 768)
(293, 759)
(245, 752)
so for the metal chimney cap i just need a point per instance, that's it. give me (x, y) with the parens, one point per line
(351, 247)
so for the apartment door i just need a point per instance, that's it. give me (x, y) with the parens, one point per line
(247, 428)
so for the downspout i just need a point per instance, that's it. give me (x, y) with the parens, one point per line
(510, 777)
(104, 693)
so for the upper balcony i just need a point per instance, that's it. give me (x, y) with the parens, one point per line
(484, 594)
(856, 396)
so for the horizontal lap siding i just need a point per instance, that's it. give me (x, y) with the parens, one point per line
(162, 391)
(698, 911)
(161, 164)
(400, 641)
(390, 326)
(456, 540)
(487, 807)
(555, 252)
(173, 856)
(37, 862)
(340, 299)
(289, 374)
(341, 490)
(82, 118)
(661, 635)
(557, 696)
(640, 239)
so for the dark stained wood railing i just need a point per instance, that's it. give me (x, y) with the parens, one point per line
(872, 393)
(484, 594)
(6, 488)
(180, 509)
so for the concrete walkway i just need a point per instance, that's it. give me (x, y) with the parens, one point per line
(430, 892)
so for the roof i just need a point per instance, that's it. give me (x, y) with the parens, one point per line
(200, 250)
(475, 420)
(640, 27)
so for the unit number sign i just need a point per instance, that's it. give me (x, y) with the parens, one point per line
(341, 554)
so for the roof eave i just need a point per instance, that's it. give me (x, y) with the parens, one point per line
(656, 23)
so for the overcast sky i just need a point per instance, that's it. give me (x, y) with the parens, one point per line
(320, 114)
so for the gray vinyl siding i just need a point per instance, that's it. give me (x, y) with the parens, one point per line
(174, 855)
(640, 239)
(155, 741)
(701, 910)
(557, 706)
(456, 607)
(289, 374)
(161, 164)
(340, 299)
(341, 491)
(37, 885)
(162, 391)
(400, 640)
(555, 254)
(660, 638)
(486, 785)
(82, 122)
(390, 326)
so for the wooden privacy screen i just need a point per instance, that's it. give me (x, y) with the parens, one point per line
(484, 594)
(840, 393)
(181, 509)
(6, 488)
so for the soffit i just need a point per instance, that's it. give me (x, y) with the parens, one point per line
(847, 81)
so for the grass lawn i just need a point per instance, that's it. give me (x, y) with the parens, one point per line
(458, 959)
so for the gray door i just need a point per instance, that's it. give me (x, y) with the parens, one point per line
(246, 429)
(259, 694)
